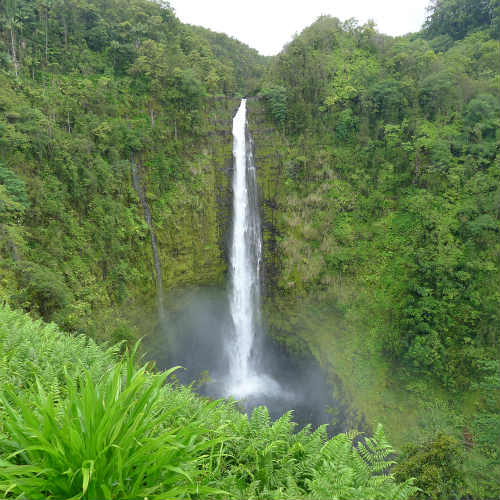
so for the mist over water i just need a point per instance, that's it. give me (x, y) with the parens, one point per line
(194, 335)
(219, 338)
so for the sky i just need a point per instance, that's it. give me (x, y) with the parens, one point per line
(267, 25)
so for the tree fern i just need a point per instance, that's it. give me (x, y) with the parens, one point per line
(376, 450)
(259, 420)
(346, 472)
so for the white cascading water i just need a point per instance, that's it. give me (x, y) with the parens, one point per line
(246, 255)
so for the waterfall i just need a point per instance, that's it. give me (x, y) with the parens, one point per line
(136, 181)
(245, 260)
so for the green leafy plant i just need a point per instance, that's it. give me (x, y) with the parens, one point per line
(352, 472)
(106, 440)
(436, 465)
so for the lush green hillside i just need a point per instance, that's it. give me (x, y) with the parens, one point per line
(380, 182)
(81, 422)
(246, 64)
(389, 182)
(377, 161)
(92, 94)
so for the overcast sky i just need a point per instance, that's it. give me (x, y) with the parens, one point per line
(267, 25)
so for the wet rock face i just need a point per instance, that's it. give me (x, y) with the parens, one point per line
(137, 183)
(268, 159)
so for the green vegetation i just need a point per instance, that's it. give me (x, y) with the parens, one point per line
(389, 183)
(381, 192)
(377, 161)
(245, 65)
(104, 428)
(88, 93)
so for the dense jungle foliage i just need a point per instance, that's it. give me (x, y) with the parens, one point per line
(381, 202)
(377, 160)
(392, 171)
(85, 423)
(89, 93)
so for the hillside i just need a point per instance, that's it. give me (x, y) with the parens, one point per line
(101, 105)
(377, 165)
(386, 180)
(380, 182)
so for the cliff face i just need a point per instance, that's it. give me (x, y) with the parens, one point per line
(76, 241)
(268, 155)
(191, 222)
(115, 139)
(380, 190)
(289, 258)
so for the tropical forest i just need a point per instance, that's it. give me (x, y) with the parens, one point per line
(225, 275)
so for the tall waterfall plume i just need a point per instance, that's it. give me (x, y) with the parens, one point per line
(245, 260)
(224, 335)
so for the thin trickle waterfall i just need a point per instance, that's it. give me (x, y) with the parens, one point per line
(246, 254)
(136, 181)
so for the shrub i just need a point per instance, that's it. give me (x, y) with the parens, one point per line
(106, 440)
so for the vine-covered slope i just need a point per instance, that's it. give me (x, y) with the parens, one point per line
(386, 176)
(379, 174)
